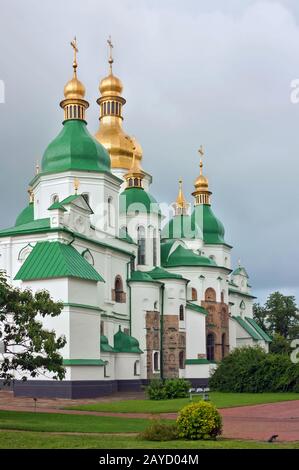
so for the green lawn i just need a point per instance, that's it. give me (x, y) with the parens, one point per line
(35, 440)
(221, 400)
(30, 421)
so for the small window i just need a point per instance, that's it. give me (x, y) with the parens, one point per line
(106, 369)
(108, 107)
(156, 361)
(102, 328)
(182, 313)
(137, 368)
(194, 294)
(55, 198)
(210, 295)
(210, 347)
(112, 107)
(222, 297)
(182, 360)
(141, 245)
(118, 289)
(110, 209)
(156, 305)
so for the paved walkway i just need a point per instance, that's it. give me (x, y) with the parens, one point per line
(258, 422)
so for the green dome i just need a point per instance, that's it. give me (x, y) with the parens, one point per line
(137, 199)
(75, 149)
(180, 226)
(211, 227)
(184, 257)
(126, 343)
(105, 346)
(26, 216)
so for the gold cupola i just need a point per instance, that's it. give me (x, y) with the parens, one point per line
(201, 184)
(135, 174)
(180, 206)
(110, 133)
(74, 104)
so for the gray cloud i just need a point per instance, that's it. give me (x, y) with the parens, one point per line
(213, 73)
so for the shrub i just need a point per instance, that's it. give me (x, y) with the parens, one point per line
(167, 389)
(199, 420)
(156, 390)
(251, 369)
(177, 388)
(160, 431)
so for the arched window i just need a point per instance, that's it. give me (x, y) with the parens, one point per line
(118, 290)
(193, 294)
(110, 207)
(210, 347)
(181, 360)
(55, 198)
(141, 246)
(112, 107)
(137, 368)
(154, 247)
(210, 295)
(156, 305)
(222, 297)
(182, 313)
(102, 328)
(223, 340)
(156, 361)
(108, 107)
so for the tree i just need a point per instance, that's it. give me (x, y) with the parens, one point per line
(260, 316)
(282, 315)
(29, 348)
(280, 345)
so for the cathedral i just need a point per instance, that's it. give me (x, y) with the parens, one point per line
(144, 296)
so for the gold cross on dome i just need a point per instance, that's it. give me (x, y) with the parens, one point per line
(75, 49)
(201, 151)
(110, 45)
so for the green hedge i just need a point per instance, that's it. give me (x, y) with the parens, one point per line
(159, 389)
(251, 369)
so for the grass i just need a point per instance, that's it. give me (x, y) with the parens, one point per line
(48, 422)
(35, 440)
(221, 400)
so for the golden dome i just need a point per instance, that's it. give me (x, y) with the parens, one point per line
(110, 134)
(74, 89)
(111, 85)
(201, 181)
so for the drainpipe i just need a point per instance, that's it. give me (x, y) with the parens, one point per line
(130, 295)
(162, 331)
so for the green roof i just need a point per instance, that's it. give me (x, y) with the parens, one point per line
(83, 362)
(123, 235)
(75, 149)
(126, 343)
(260, 331)
(239, 292)
(252, 332)
(198, 361)
(184, 257)
(27, 228)
(196, 308)
(132, 200)
(241, 271)
(160, 273)
(26, 216)
(105, 346)
(204, 219)
(50, 260)
(181, 226)
(140, 276)
(67, 200)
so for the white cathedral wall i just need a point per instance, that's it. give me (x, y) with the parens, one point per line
(201, 278)
(124, 365)
(150, 222)
(174, 296)
(195, 334)
(99, 187)
(145, 297)
(236, 309)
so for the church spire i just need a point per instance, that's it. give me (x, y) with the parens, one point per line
(180, 205)
(74, 104)
(201, 184)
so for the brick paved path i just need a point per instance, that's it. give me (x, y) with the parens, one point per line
(257, 422)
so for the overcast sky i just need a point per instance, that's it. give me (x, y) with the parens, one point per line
(216, 73)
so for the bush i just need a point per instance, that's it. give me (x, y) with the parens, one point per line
(199, 420)
(160, 431)
(251, 369)
(167, 389)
